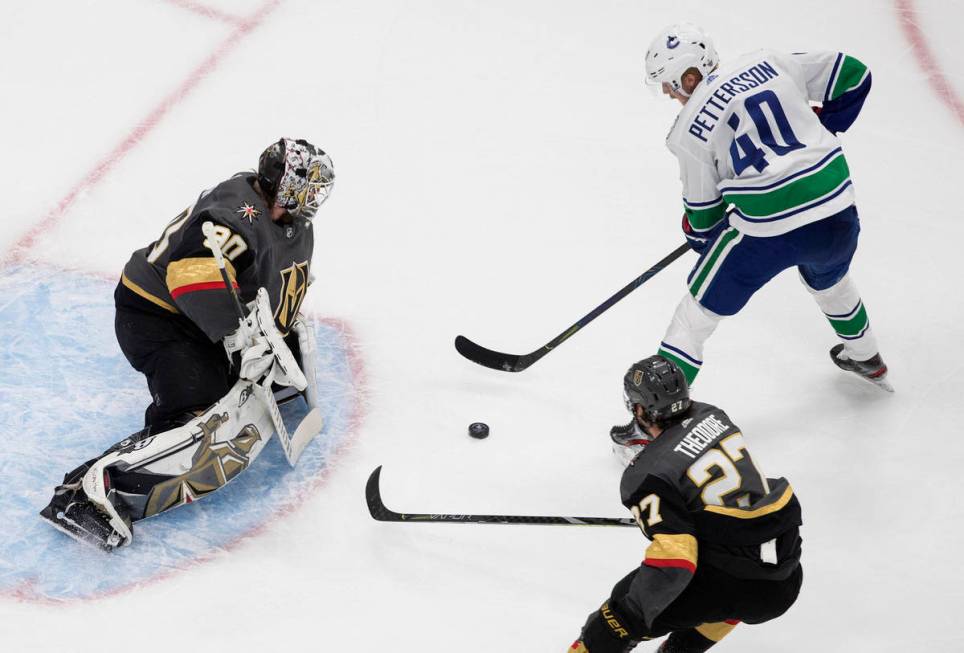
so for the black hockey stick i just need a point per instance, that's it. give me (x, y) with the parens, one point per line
(518, 362)
(380, 513)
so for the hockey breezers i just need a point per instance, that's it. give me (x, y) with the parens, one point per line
(292, 444)
(518, 362)
(380, 512)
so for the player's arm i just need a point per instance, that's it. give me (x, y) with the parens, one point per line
(839, 82)
(194, 279)
(667, 568)
(704, 211)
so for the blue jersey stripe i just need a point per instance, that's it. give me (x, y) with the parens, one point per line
(738, 189)
(682, 354)
(833, 76)
(847, 314)
(696, 205)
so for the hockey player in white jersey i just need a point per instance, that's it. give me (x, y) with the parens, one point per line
(765, 186)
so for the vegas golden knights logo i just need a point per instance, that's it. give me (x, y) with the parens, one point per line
(294, 284)
(637, 377)
(212, 466)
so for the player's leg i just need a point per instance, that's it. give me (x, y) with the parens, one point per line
(697, 640)
(715, 602)
(151, 472)
(828, 247)
(730, 270)
(186, 374)
(185, 371)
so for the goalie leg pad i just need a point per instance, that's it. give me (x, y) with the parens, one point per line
(147, 474)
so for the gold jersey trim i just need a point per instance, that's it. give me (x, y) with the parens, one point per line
(672, 547)
(743, 513)
(715, 631)
(200, 270)
(137, 290)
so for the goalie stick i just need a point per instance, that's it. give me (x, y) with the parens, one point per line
(517, 362)
(311, 424)
(380, 512)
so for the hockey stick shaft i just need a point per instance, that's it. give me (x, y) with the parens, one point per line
(380, 512)
(292, 453)
(215, 246)
(518, 362)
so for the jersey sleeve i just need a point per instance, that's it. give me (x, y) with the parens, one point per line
(671, 557)
(194, 279)
(839, 82)
(702, 201)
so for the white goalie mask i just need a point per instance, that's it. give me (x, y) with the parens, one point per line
(675, 50)
(298, 174)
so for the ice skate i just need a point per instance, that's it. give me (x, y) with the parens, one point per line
(873, 369)
(73, 514)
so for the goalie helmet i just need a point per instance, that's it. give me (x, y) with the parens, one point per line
(674, 51)
(296, 175)
(659, 386)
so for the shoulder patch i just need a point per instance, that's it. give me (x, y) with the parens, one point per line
(248, 211)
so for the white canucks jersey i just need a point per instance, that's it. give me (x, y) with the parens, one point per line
(748, 140)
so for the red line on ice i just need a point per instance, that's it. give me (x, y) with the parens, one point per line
(909, 24)
(144, 127)
(207, 12)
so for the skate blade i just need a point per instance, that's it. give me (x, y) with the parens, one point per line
(883, 383)
(88, 541)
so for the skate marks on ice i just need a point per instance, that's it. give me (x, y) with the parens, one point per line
(67, 393)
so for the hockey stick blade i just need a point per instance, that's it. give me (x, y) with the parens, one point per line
(492, 359)
(380, 512)
(517, 362)
(307, 429)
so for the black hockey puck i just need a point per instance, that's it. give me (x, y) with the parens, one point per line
(479, 430)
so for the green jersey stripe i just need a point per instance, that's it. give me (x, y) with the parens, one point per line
(725, 239)
(800, 191)
(851, 326)
(852, 72)
(689, 370)
(703, 219)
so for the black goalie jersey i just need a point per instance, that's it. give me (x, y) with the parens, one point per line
(699, 497)
(177, 273)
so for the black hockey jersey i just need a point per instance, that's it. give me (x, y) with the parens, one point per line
(177, 273)
(699, 497)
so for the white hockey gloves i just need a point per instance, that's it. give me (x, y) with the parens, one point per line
(265, 358)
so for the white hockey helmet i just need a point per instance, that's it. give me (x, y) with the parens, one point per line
(298, 175)
(674, 51)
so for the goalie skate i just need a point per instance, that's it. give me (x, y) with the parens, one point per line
(70, 512)
(873, 369)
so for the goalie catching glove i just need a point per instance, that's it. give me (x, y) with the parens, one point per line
(262, 350)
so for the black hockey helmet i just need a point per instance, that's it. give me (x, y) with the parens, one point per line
(296, 176)
(659, 386)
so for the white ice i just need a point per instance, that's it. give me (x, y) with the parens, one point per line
(501, 171)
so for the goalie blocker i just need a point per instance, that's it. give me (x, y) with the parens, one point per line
(177, 462)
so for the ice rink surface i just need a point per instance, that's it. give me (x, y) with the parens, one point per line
(501, 171)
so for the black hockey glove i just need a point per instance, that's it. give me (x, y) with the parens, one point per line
(605, 631)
